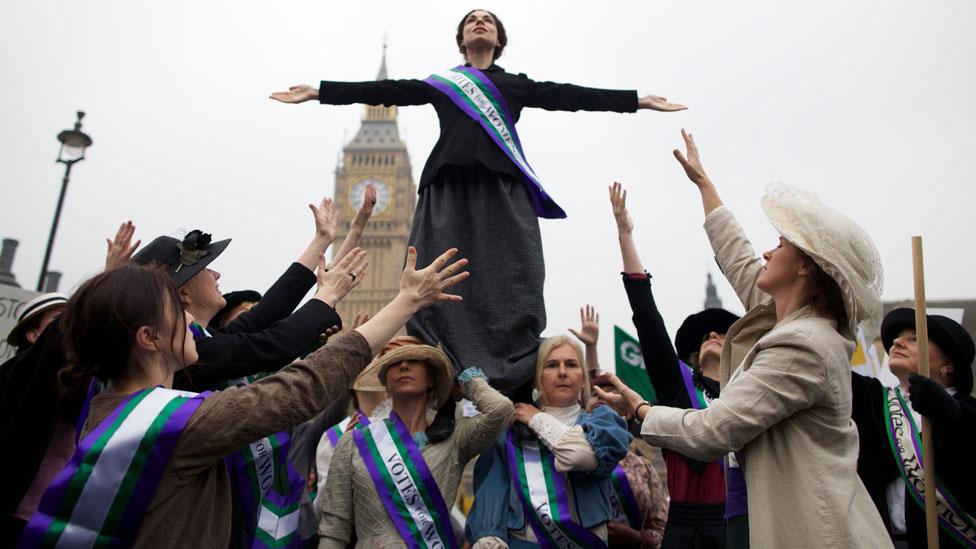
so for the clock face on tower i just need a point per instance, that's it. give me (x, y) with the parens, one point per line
(359, 190)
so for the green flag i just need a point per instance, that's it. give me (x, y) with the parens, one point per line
(630, 364)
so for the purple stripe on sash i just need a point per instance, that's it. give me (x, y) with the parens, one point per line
(426, 478)
(237, 469)
(157, 462)
(629, 500)
(543, 204)
(374, 473)
(686, 376)
(736, 497)
(566, 520)
(51, 500)
(333, 437)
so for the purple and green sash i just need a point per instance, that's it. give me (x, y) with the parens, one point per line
(335, 432)
(545, 496)
(699, 401)
(405, 484)
(622, 500)
(269, 488)
(478, 97)
(101, 496)
(906, 443)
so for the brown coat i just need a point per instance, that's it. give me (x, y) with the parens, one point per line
(192, 506)
(786, 408)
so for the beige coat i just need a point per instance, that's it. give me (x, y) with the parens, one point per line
(786, 408)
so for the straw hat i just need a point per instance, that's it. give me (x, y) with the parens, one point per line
(408, 348)
(837, 244)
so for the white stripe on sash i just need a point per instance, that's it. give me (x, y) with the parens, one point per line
(535, 476)
(109, 471)
(405, 484)
(276, 527)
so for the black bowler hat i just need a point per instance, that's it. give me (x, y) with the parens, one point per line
(234, 299)
(949, 335)
(181, 259)
(694, 329)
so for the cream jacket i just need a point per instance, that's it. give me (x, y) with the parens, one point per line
(786, 408)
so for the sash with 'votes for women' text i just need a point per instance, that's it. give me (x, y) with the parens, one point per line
(906, 443)
(405, 484)
(544, 493)
(101, 496)
(478, 97)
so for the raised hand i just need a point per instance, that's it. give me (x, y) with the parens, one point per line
(120, 250)
(360, 319)
(658, 103)
(335, 283)
(424, 287)
(296, 94)
(696, 173)
(618, 201)
(326, 219)
(366, 209)
(691, 163)
(589, 331)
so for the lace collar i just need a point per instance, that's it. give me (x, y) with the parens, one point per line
(565, 414)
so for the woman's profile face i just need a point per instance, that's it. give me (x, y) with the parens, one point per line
(562, 377)
(711, 346)
(479, 30)
(784, 264)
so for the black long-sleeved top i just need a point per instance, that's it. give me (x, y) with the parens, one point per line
(263, 339)
(877, 466)
(689, 480)
(462, 141)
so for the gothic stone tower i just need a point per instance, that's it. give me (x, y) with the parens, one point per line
(376, 156)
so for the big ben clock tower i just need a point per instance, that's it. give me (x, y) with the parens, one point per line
(376, 156)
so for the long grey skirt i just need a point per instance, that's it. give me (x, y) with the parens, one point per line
(490, 220)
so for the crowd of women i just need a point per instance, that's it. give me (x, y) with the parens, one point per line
(149, 410)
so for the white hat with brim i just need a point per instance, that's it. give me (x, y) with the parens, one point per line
(440, 367)
(34, 309)
(838, 245)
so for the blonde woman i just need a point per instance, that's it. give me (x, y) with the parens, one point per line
(570, 450)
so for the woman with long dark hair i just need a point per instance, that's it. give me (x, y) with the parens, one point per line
(149, 470)
(478, 189)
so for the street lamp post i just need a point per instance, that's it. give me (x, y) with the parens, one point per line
(73, 145)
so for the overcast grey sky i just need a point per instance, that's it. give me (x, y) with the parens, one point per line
(868, 104)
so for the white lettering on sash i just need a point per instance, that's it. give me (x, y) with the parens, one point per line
(263, 463)
(405, 485)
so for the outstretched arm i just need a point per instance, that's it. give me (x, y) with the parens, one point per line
(733, 251)
(357, 226)
(375, 92)
(659, 357)
(570, 97)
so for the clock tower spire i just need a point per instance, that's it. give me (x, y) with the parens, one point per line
(376, 156)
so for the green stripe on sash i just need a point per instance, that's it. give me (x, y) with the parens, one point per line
(135, 468)
(412, 469)
(469, 101)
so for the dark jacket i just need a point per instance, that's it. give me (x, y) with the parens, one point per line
(263, 339)
(878, 467)
(31, 403)
(462, 141)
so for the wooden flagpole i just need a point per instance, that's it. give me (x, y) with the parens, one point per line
(928, 448)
